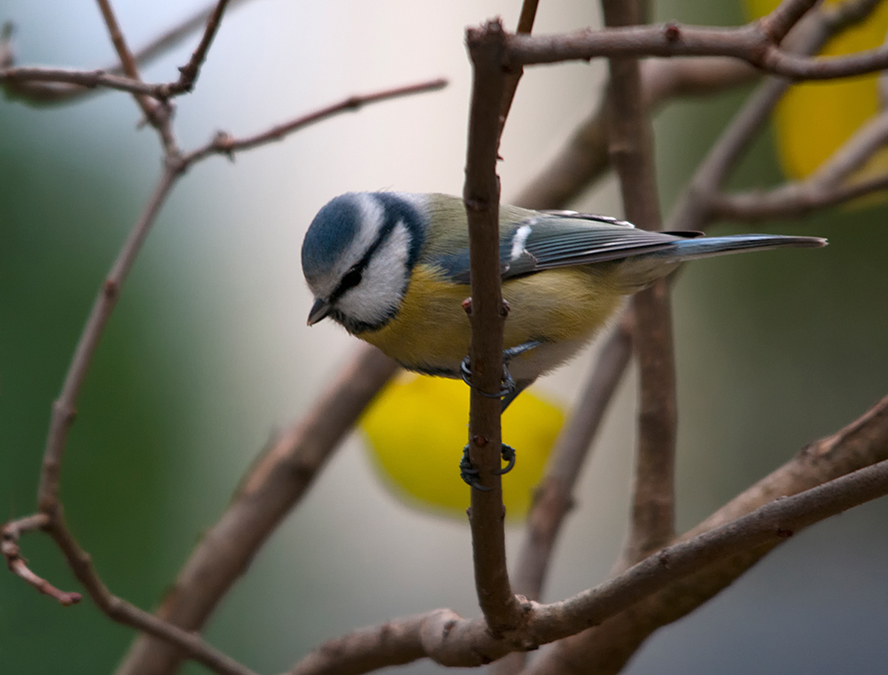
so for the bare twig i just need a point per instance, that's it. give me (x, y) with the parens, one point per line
(826, 187)
(127, 62)
(85, 78)
(225, 144)
(792, 200)
(56, 89)
(129, 615)
(487, 314)
(276, 482)
(374, 370)
(584, 158)
(189, 72)
(513, 76)
(9, 537)
(780, 21)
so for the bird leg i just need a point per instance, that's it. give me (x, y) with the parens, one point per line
(510, 389)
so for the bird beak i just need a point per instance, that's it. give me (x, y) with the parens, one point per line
(319, 310)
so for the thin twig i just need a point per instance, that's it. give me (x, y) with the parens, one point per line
(513, 76)
(9, 548)
(85, 78)
(188, 72)
(127, 614)
(225, 144)
(273, 486)
(781, 20)
(127, 62)
(55, 90)
(487, 315)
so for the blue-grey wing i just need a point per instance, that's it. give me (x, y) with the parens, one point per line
(564, 239)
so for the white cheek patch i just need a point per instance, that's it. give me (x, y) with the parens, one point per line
(382, 283)
(519, 240)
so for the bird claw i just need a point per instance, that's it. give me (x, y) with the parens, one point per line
(509, 387)
(469, 473)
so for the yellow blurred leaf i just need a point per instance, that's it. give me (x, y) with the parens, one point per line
(416, 430)
(815, 118)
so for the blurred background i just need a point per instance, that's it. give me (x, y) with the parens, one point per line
(207, 353)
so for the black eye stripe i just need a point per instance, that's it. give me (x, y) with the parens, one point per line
(397, 211)
(351, 279)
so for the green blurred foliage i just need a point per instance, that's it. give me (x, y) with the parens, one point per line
(63, 214)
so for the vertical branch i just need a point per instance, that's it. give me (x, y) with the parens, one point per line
(481, 196)
(127, 62)
(632, 154)
(553, 498)
(525, 25)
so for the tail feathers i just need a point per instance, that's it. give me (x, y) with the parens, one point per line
(636, 272)
(705, 247)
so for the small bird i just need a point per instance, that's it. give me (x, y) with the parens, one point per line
(393, 269)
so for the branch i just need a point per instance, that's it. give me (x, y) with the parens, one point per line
(632, 153)
(55, 90)
(127, 62)
(792, 200)
(748, 43)
(189, 72)
(86, 78)
(274, 485)
(487, 314)
(553, 498)
(224, 144)
(9, 536)
(823, 188)
(607, 648)
(127, 614)
(513, 76)
(813, 32)
(854, 464)
(374, 368)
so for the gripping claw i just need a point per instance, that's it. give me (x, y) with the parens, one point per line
(509, 388)
(469, 473)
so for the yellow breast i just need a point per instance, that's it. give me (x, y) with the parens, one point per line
(431, 332)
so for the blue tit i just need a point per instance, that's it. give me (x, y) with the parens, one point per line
(393, 269)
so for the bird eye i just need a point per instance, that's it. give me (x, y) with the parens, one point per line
(351, 279)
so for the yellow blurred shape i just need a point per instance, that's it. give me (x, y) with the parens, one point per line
(814, 119)
(417, 428)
